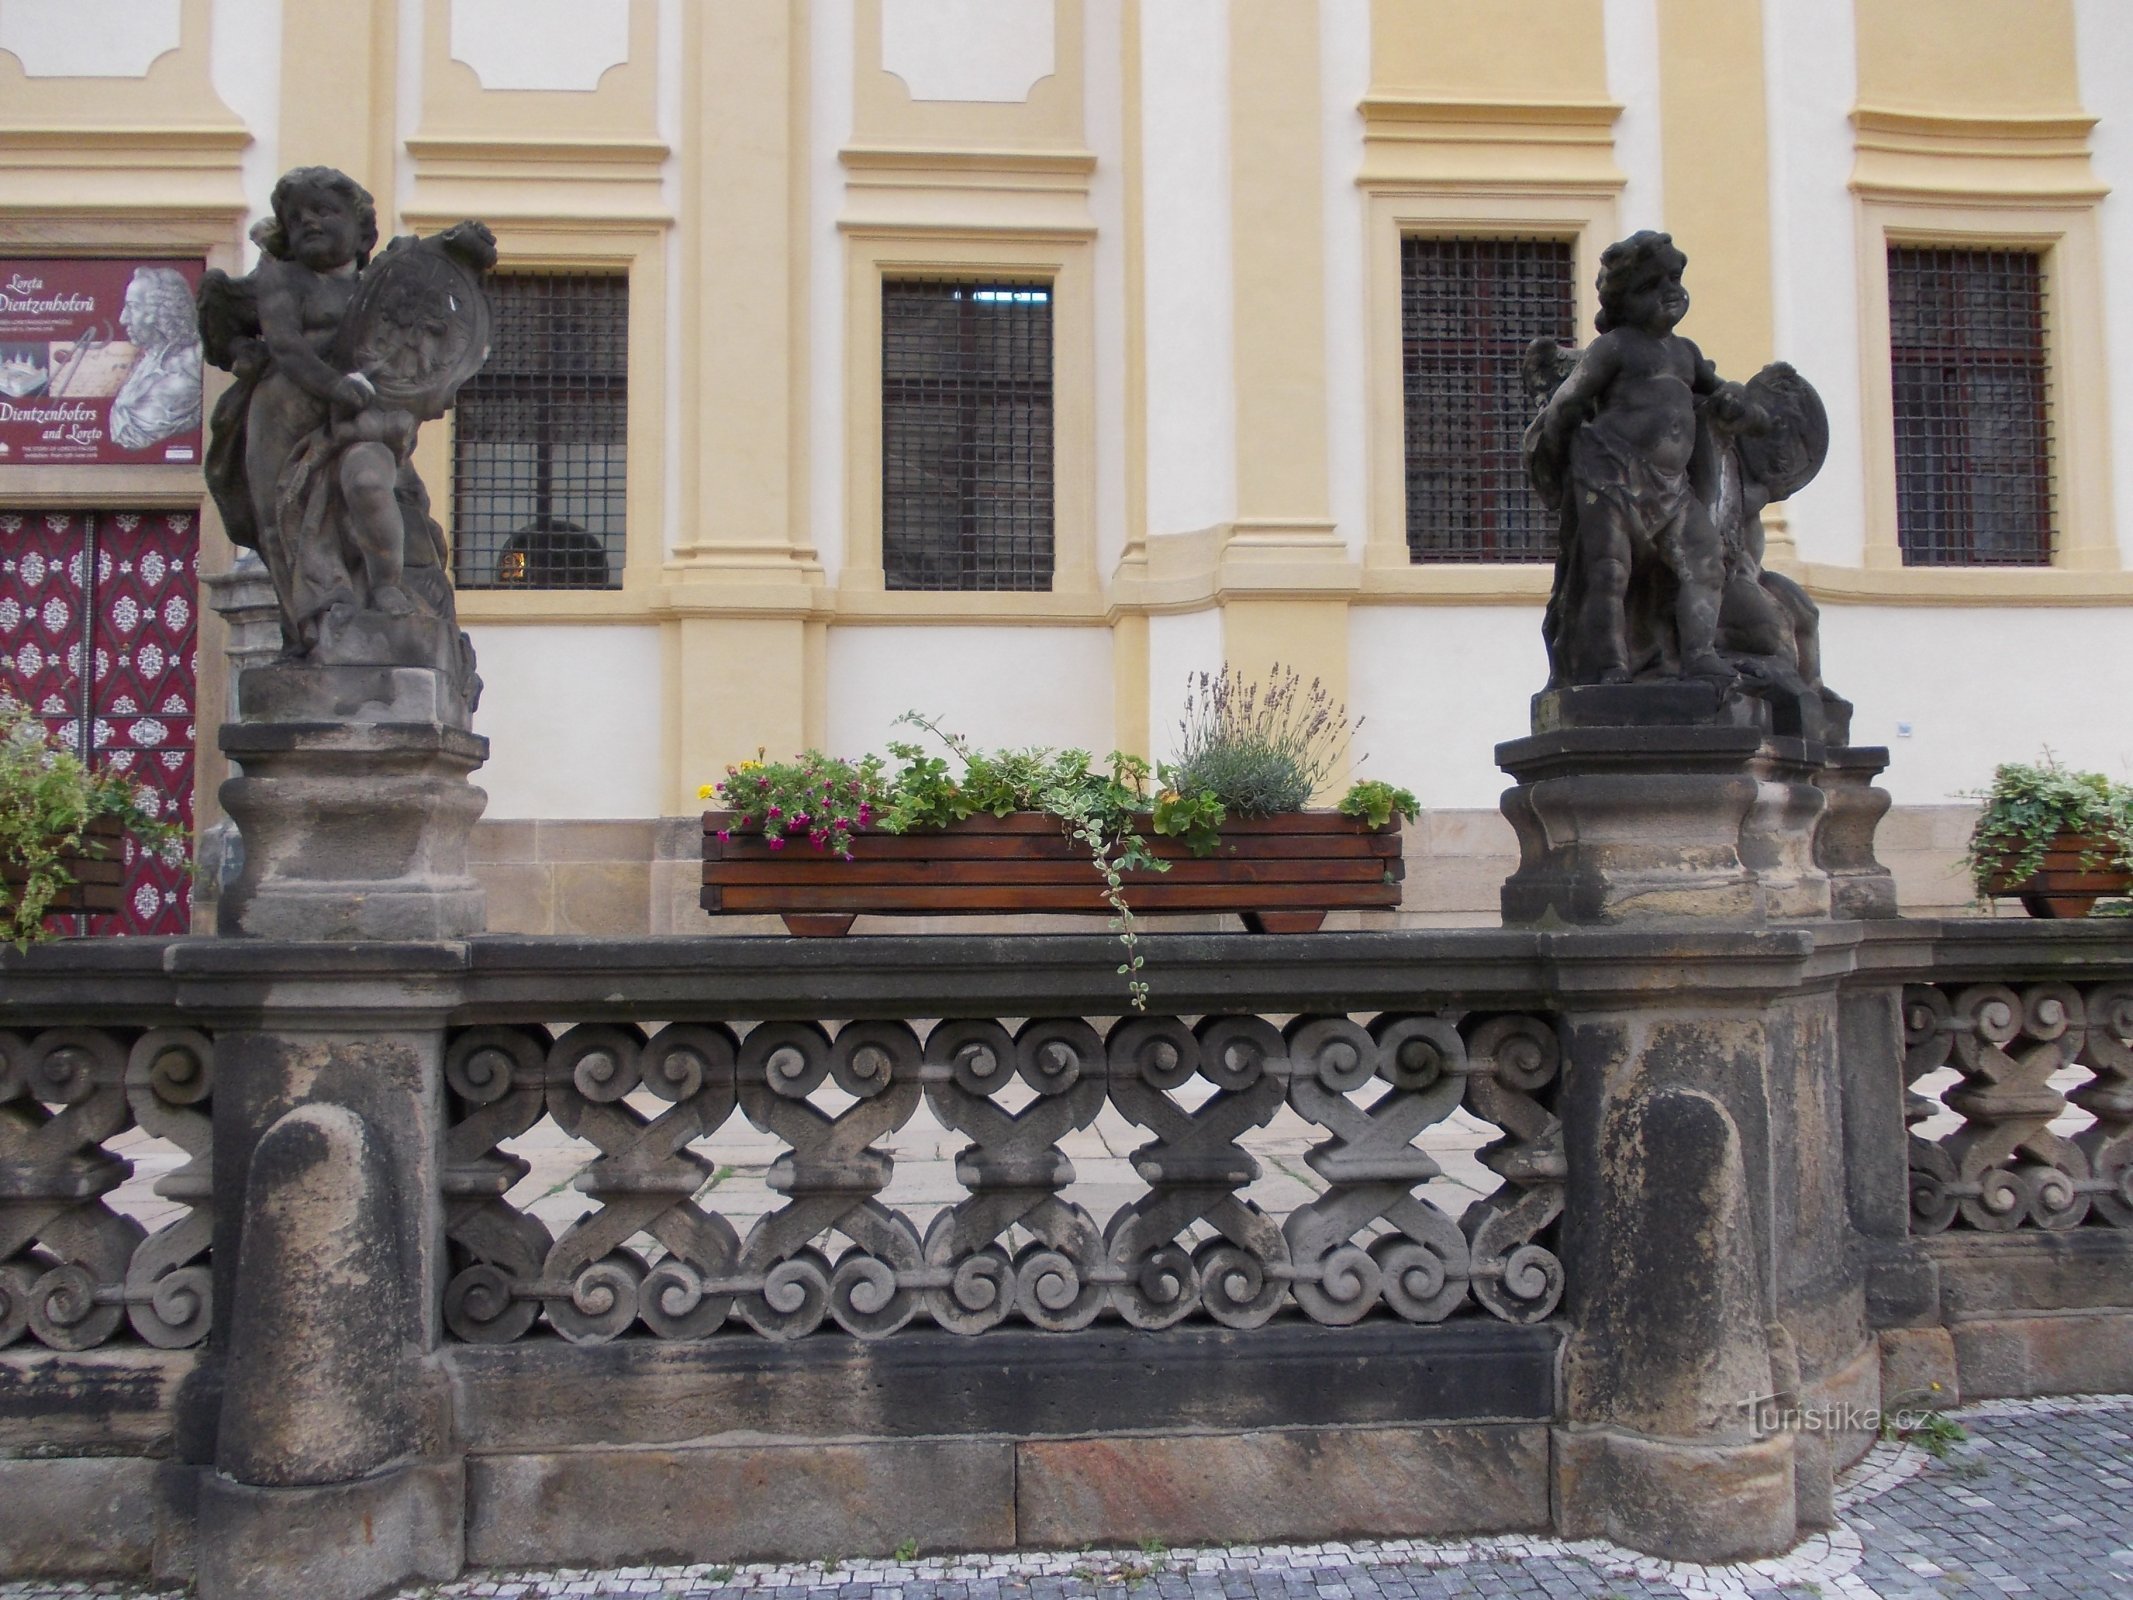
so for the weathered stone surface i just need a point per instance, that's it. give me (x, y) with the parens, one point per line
(353, 829)
(554, 1396)
(1860, 886)
(78, 1518)
(317, 1390)
(1307, 1484)
(1918, 1369)
(1705, 1503)
(2078, 1269)
(2072, 1352)
(1662, 1249)
(340, 1541)
(110, 1400)
(739, 1502)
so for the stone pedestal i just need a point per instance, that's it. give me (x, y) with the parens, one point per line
(1859, 885)
(1711, 1296)
(1641, 803)
(354, 805)
(1644, 803)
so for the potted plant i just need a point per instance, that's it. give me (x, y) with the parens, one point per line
(1225, 827)
(62, 830)
(2054, 839)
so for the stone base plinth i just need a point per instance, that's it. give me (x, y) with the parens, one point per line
(353, 807)
(1709, 1503)
(1639, 804)
(342, 1541)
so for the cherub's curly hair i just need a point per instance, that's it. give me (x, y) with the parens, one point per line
(166, 306)
(273, 237)
(1627, 265)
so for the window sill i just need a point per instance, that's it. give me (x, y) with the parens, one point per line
(1996, 586)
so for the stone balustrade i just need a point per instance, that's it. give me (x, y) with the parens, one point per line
(1726, 1176)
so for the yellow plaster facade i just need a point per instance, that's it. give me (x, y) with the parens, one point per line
(756, 171)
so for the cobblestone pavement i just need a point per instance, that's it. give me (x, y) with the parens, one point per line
(2036, 1501)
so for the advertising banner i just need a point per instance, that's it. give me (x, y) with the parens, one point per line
(99, 361)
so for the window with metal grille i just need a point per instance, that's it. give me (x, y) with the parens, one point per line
(1973, 407)
(966, 435)
(539, 438)
(1468, 309)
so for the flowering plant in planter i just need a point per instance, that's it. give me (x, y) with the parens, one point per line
(2041, 819)
(1248, 759)
(56, 812)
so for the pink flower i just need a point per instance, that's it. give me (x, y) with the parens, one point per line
(775, 811)
(724, 835)
(775, 843)
(819, 838)
(801, 818)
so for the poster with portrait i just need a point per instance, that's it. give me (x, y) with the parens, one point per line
(99, 361)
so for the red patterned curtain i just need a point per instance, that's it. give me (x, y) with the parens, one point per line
(98, 614)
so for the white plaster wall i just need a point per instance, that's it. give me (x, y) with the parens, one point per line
(1344, 79)
(997, 687)
(1438, 688)
(1633, 80)
(244, 62)
(1811, 72)
(830, 25)
(2103, 31)
(1179, 646)
(575, 718)
(1104, 114)
(540, 44)
(1191, 356)
(1981, 685)
(968, 49)
(88, 38)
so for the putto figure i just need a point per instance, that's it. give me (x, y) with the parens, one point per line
(1659, 470)
(339, 359)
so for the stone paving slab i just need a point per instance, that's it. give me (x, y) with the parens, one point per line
(2036, 1501)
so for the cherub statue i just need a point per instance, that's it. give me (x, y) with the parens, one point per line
(1659, 470)
(339, 359)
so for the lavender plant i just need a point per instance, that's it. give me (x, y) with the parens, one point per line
(1258, 750)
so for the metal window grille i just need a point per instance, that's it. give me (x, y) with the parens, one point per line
(966, 435)
(1468, 309)
(1973, 407)
(539, 440)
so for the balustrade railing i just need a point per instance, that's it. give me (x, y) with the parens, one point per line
(2022, 1054)
(74, 1271)
(652, 1106)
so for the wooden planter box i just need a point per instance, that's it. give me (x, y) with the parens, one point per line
(2063, 887)
(1281, 874)
(99, 885)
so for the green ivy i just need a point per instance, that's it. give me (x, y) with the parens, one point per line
(2028, 806)
(48, 801)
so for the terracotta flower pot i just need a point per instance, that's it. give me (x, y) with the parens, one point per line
(1281, 874)
(99, 871)
(2079, 869)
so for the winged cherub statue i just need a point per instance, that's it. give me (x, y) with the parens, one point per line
(339, 358)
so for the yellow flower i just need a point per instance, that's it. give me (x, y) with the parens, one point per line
(705, 791)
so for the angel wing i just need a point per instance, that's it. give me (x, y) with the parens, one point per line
(1545, 365)
(229, 315)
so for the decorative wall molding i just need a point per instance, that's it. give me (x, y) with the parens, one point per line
(540, 44)
(997, 50)
(89, 38)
